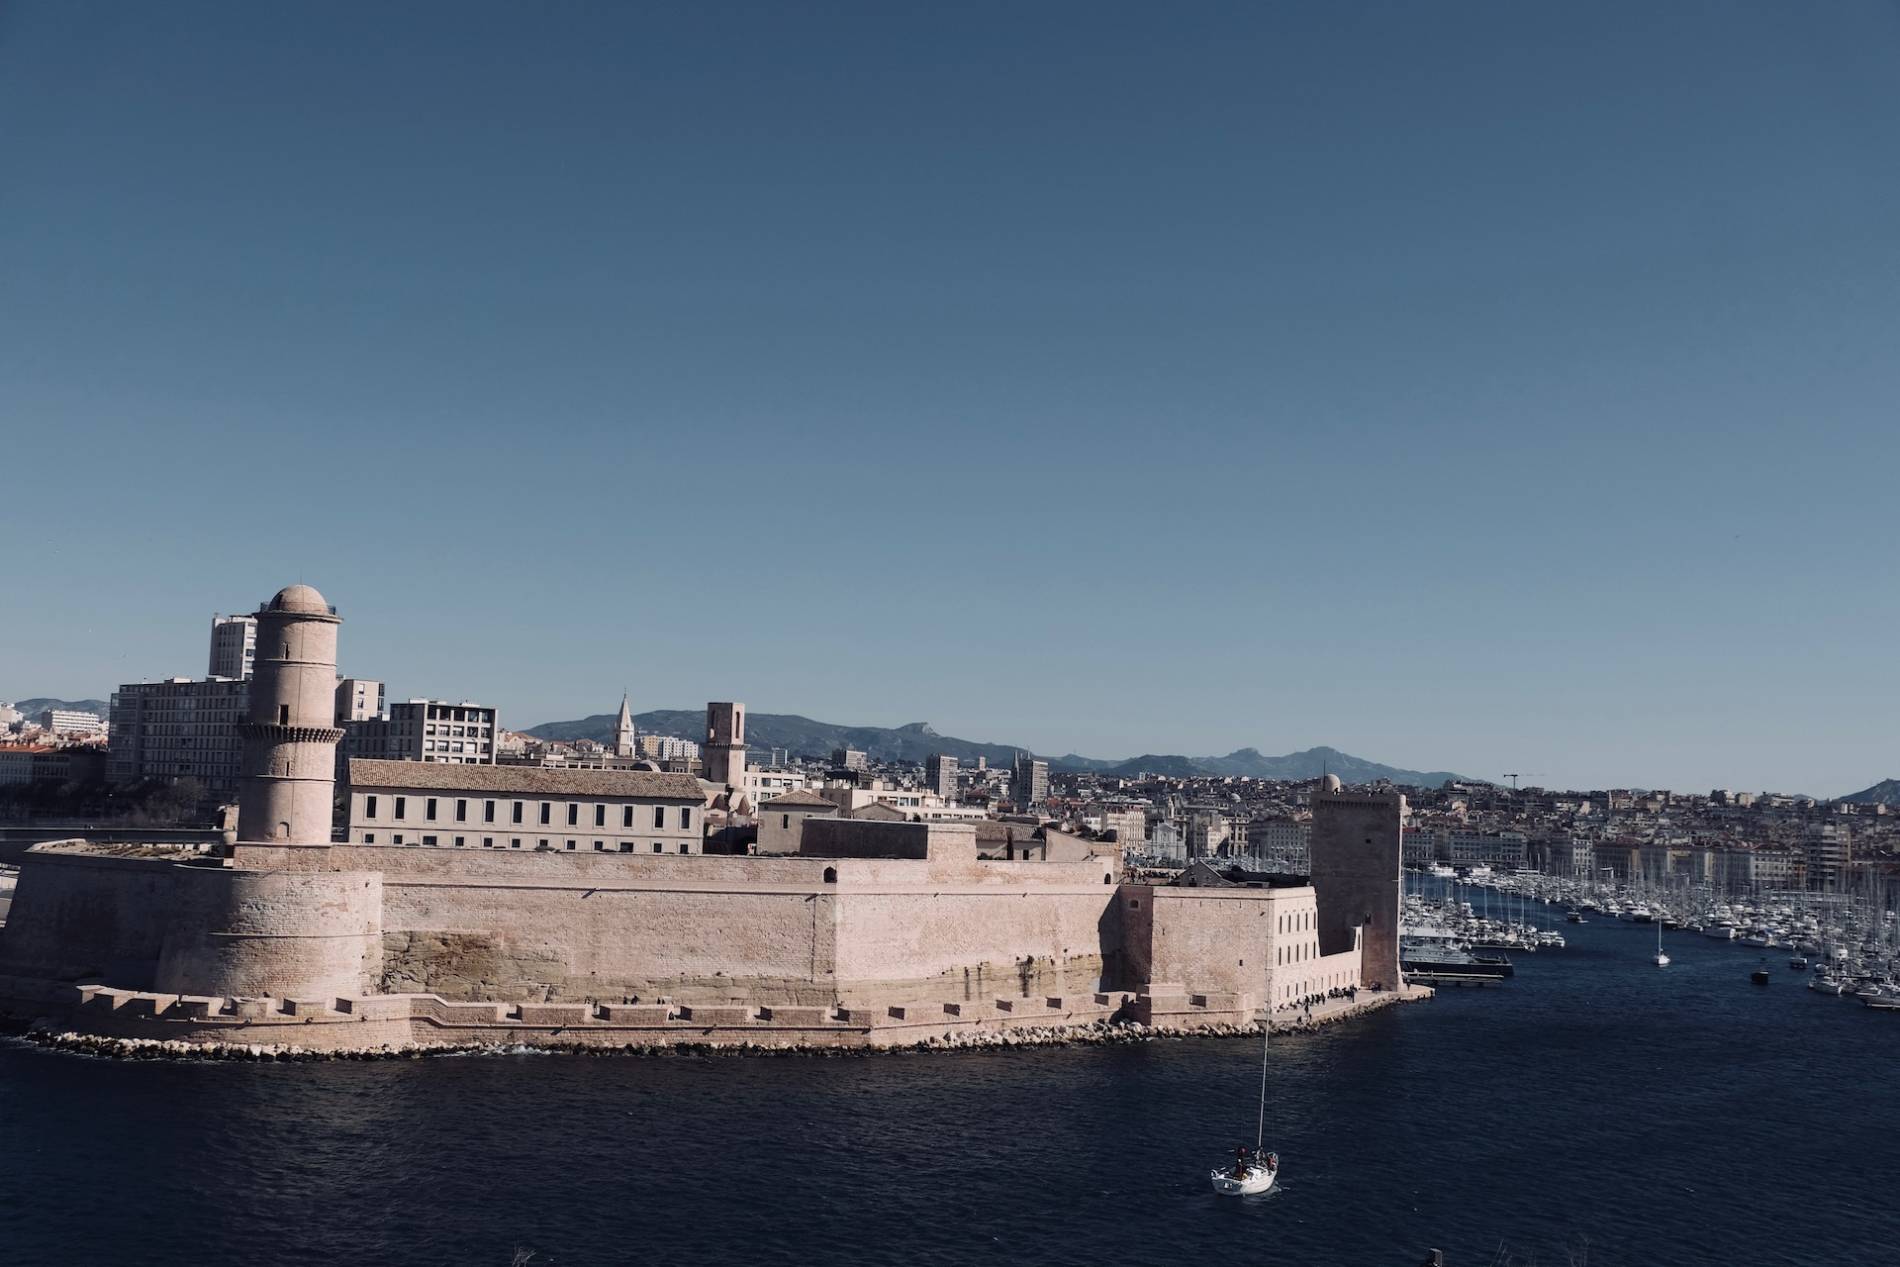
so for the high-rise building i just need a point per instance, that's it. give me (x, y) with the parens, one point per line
(849, 759)
(358, 699)
(426, 730)
(233, 647)
(1830, 848)
(179, 729)
(940, 773)
(1029, 784)
(725, 743)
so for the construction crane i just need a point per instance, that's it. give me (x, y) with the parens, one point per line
(1515, 777)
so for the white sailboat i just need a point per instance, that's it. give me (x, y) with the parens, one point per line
(1662, 960)
(1252, 1173)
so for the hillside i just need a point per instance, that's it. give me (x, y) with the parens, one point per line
(1308, 764)
(1885, 792)
(804, 737)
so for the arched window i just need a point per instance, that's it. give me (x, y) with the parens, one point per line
(831, 875)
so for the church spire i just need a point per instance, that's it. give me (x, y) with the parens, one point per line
(623, 730)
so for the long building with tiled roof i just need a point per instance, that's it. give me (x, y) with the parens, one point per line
(534, 808)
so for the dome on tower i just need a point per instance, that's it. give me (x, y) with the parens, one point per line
(1330, 783)
(298, 598)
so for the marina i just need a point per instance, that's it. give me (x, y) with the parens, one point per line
(1845, 945)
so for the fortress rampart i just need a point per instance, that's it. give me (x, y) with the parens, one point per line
(874, 934)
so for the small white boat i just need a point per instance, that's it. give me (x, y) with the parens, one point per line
(1248, 1180)
(1662, 960)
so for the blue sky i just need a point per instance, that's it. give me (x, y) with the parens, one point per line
(1473, 386)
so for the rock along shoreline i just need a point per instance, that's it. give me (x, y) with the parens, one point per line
(1094, 1034)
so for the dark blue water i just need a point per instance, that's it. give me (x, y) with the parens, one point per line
(1666, 1116)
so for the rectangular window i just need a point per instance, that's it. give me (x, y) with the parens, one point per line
(459, 842)
(573, 814)
(428, 840)
(488, 811)
(626, 846)
(428, 810)
(369, 837)
(517, 813)
(461, 811)
(626, 815)
(369, 807)
(658, 847)
(488, 842)
(570, 844)
(600, 815)
(686, 819)
(402, 804)
(546, 809)
(600, 846)
(683, 847)
(514, 842)
(399, 838)
(659, 816)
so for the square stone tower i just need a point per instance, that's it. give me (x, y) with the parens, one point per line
(1358, 876)
(725, 743)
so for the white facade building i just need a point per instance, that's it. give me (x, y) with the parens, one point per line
(233, 647)
(71, 721)
(426, 730)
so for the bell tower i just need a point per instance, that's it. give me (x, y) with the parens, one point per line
(725, 744)
(290, 735)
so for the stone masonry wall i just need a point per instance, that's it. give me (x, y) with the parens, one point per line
(77, 917)
(303, 935)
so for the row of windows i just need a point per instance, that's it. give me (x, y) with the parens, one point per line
(517, 808)
(1298, 921)
(489, 842)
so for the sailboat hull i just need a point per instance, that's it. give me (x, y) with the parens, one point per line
(1249, 1183)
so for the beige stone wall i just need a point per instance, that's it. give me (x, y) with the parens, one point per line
(571, 926)
(76, 917)
(285, 934)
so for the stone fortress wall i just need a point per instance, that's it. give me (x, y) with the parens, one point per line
(874, 933)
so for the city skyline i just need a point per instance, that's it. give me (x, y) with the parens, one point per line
(1131, 383)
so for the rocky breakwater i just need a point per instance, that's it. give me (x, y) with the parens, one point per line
(1096, 1033)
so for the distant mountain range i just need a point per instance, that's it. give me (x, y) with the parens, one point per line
(803, 737)
(1252, 763)
(39, 704)
(1885, 792)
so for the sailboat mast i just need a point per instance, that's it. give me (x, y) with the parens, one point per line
(1266, 1040)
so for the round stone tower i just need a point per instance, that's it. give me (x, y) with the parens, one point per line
(290, 734)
